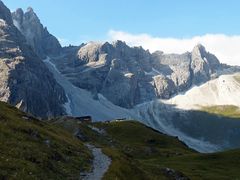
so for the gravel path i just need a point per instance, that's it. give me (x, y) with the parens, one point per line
(101, 162)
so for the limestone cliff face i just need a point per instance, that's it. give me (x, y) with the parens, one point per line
(203, 64)
(131, 75)
(24, 80)
(37, 36)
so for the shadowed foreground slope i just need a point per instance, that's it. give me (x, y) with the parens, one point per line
(38, 150)
(32, 149)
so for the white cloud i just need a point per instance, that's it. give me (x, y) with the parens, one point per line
(226, 48)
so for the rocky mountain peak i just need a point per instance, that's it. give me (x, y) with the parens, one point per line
(30, 9)
(203, 64)
(19, 12)
(32, 16)
(119, 44)
(199, 50)
(43, 43)
(25, 80)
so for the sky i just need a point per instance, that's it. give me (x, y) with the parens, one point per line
(173, 26)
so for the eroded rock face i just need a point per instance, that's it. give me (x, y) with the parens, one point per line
(37, 36)
(203, 64)
(165, 87)
(176, 67)
(129, 76)
(24, 80)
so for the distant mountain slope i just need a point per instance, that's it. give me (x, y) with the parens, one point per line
(205, 117)
(128, 76)
(224, 90)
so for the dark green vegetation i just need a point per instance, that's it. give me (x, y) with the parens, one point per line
(223, 110)
(30, 149)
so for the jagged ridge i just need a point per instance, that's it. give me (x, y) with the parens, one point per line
(25, 80)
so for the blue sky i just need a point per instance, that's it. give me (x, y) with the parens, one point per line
(78, 20)
(169, 25)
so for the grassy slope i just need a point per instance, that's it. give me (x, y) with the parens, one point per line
(223, 110)
(139, 152)
(31, 149)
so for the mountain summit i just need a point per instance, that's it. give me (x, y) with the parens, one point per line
(37, 36)
(25, 80)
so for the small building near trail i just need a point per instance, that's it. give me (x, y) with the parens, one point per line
(87, 119)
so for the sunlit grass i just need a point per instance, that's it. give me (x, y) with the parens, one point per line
(223, 110)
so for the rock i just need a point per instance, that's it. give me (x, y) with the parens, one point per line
(174, 175)
(165, 87)
(25, 81)
(43, 43)
(78, 134)
(203, 64)
(128, 76)
(47, 142)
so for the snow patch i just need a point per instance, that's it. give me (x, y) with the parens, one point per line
(129, 75)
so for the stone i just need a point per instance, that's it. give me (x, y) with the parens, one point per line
(25, 81)
(37, 36)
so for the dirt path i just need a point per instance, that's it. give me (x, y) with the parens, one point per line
(101, 162)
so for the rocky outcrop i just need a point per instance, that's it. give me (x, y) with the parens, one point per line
(37, 36)
(165, 87)
(203, 64)
(24, 80)
(114, 70)
(131, 75)
(176, 67)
